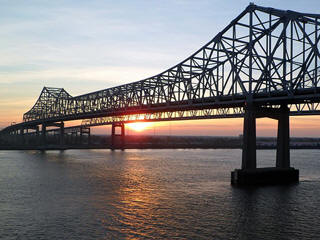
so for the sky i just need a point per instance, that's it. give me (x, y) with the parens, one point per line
(85, 46)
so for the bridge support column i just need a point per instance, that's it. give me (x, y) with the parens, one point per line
(283, 151)
(26, 137)
(37, 136)
(22, 136)
(61, 134)
(249, 159)
(249, 174)
(43, 134)
(89, 136)
(15, 138)
(117, 139)
(84, 135)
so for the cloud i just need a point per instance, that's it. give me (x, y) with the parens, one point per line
(59, 77)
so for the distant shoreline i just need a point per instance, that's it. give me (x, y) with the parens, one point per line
(170, 142)
(53, 148)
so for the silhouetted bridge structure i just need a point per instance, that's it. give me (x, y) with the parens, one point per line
(265, 63)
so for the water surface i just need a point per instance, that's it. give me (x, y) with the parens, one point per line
(152, 194)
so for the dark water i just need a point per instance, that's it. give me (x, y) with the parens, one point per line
(152, 194)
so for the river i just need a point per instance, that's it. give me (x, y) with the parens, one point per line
(152, 194)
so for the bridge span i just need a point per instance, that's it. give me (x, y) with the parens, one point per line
(264, 63)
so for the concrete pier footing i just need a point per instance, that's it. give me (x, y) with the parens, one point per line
(264, 176)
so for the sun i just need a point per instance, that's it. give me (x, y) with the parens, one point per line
(139, 126)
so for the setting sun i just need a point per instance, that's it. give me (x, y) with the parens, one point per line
(139, 126)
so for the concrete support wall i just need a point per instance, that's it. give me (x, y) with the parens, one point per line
(22, 140)
(117, 140)
(249, 159)
(43, 134)
(37, 134)
(62, 134)
(89, 136)
(283, 151)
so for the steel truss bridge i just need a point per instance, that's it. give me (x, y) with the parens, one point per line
(265, 63)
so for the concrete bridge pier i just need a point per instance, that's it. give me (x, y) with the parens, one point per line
(249, 174)
(249, 158)
(43, 134)
(15, 138)
(22, 139)
(25, 139)
(283, 139)
(117, 139)
(89, 137)
(37, 134)
(61, 134)
(85, 135)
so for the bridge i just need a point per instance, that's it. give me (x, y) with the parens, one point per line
(265, 63)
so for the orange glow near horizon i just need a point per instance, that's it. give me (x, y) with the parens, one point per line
(300, 126)
(139, 126)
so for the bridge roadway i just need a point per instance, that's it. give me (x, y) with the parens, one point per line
(265, 63)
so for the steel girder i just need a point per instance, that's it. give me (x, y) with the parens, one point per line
(208, 113)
